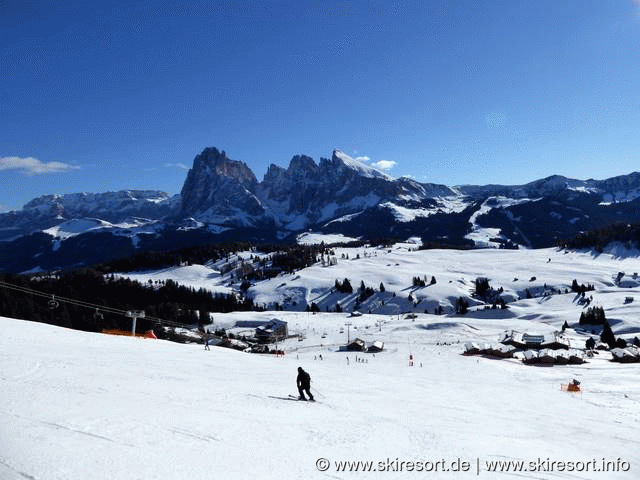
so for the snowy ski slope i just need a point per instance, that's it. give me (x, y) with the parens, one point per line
(79, 405)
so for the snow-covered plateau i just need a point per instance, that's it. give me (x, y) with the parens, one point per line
(77, 405)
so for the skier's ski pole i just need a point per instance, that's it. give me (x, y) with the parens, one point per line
(316, 392)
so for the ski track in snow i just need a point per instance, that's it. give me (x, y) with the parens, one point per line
(11, 472)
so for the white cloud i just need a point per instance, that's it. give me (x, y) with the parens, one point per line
(363, 158)
(385, 164)
(177, 165)
(33, 166)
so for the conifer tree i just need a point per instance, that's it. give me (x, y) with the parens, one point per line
(607, 335)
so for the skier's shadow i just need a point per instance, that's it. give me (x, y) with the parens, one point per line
(282, 398)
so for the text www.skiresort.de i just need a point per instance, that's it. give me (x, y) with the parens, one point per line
(476, 466)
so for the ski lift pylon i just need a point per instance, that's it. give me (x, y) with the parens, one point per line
(53, 303)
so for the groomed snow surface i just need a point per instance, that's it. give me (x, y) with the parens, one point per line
(77, 405)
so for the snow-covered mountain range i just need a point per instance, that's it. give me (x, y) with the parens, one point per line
(222, 199)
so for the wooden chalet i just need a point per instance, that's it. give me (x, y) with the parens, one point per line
(527, 341)
(471, 348)
(530, 357)
(356, 345)
(576, 357)
(267, 331)
(502, 351)
(547, 356)
(562, 357)
(626, 355)
(376, 347)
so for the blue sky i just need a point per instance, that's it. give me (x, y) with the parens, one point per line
(98, 96)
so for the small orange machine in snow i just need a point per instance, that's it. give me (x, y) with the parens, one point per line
(574, 386)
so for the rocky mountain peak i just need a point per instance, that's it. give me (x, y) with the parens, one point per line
(302, 166)
(342, 164)
(274, 174)
(215, 162)
(218, 188)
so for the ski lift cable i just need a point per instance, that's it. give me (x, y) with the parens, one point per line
(59, 298)
(84, 304)
(80, 303)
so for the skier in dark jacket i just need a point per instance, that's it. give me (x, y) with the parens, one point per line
(304, 384)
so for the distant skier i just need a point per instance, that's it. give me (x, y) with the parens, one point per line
(304, 384)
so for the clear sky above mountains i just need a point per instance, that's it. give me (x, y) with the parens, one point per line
(108, 95)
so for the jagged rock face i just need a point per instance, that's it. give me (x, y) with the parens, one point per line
(341, 177)
(223, 191)
(303, 168)
(279, 184)
(307, 193)
(220, 190)
(303, 184)
(290, 192)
